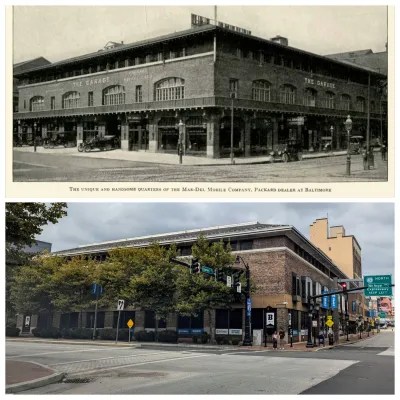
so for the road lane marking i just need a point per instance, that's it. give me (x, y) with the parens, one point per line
(57, 352)
(106, 358)
(35, 165)
(93, 371)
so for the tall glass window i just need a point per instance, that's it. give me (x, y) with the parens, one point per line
(37, 103)
(113, 95)
(90, 99)
(170, 89)
(138, 94)
(287, 94)
(71, 100)
(330, 100)
(261, 91)
(360, 104)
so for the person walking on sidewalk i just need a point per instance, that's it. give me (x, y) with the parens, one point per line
(281, 339)
(383, 151)
(275, 340)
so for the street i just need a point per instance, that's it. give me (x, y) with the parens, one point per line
(365, 367)
(89, 167)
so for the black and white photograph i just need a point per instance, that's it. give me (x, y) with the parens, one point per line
(210, 299)
(271, 94)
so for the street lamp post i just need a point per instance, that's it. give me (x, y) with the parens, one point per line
(233, 95)
(331, 129)
(310, 314)
(360, 325)
(348, 124)
(346, 316)
(247, 335)
(180, 145)
(34, 136)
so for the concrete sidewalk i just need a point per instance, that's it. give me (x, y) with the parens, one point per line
(23, 375)
(163, 158)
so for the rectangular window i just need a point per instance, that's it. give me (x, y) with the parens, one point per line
(24, 104)
(90, 99)
(233, 87)
(138, 94)
(246, 245)
(53, 103)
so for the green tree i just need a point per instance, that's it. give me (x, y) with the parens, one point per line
(197, 293)
(152, 286)
(71, 284)
(25, 221)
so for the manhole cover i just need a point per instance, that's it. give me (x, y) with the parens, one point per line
(78, 380)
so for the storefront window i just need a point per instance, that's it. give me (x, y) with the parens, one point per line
(170, 89)
(114, 95)
(71, 100)
(261, 91)
(37, 103)
(288, 94)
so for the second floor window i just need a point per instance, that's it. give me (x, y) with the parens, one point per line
(345, 102)
(90, 99)
(138, 94)
(114, 95)
(52, 102)
(287, 94)
(261, 91)
(233, 87)
(170, 89)
(71, 100)
(310, 97)
(37, 103)
(330, 100)
(360, 104)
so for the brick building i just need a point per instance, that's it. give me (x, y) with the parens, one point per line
(285, 267)
(181, 87)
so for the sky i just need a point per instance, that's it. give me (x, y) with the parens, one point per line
(371, 223)
(60, 32)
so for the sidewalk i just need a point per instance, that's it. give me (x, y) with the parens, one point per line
(163, 158)
(22, 375)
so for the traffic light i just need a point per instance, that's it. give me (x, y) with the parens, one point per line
(219, 275)
(344, 286)
(195, 267)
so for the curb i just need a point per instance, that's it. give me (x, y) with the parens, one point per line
(35, 383)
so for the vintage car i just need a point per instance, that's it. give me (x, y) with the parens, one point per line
(355, 144)
(289, 151)
(59, 140)
(107, 142)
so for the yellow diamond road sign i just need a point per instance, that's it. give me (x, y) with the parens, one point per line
(130, 324)
(329, 323)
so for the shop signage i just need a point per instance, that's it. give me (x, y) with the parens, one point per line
(325, 300)
(303, 332)
(270, 318)
(296, 121)
(316, 82)
(221, 331)
(314, 323)
(91, 82)
(235, 331)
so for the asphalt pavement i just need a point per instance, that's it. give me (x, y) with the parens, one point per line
(22, 375)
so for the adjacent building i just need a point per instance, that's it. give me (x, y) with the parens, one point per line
(181, 88)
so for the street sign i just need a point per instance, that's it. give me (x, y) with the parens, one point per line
(248, 307)
(329, 323)
(329, 317)
(290, 319)
(229, 281)
(314, 323)
(333, 301)
(378, 285)
(207, 270)
(96, 289)
(120, 305)
(130, 324)
(239, 288)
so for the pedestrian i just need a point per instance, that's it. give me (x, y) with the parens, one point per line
(281, 339)
(321, 337)
(383, 151)
(275, 340)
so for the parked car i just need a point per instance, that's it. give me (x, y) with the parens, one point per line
(289, 151)
(355, 144)
(107, 142)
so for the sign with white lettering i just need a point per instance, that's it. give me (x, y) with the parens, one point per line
(316, 82)
(270, 319)
(221, 331)
(235, 331)
(378, 285)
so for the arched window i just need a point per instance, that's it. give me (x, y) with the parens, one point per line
(287, 94)
(345, 102)
(71, 100)
(310, 97)
(113, 95)
(360, 104)
(37, 103)
(261, 90)
(170, 89)
(330, 100)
